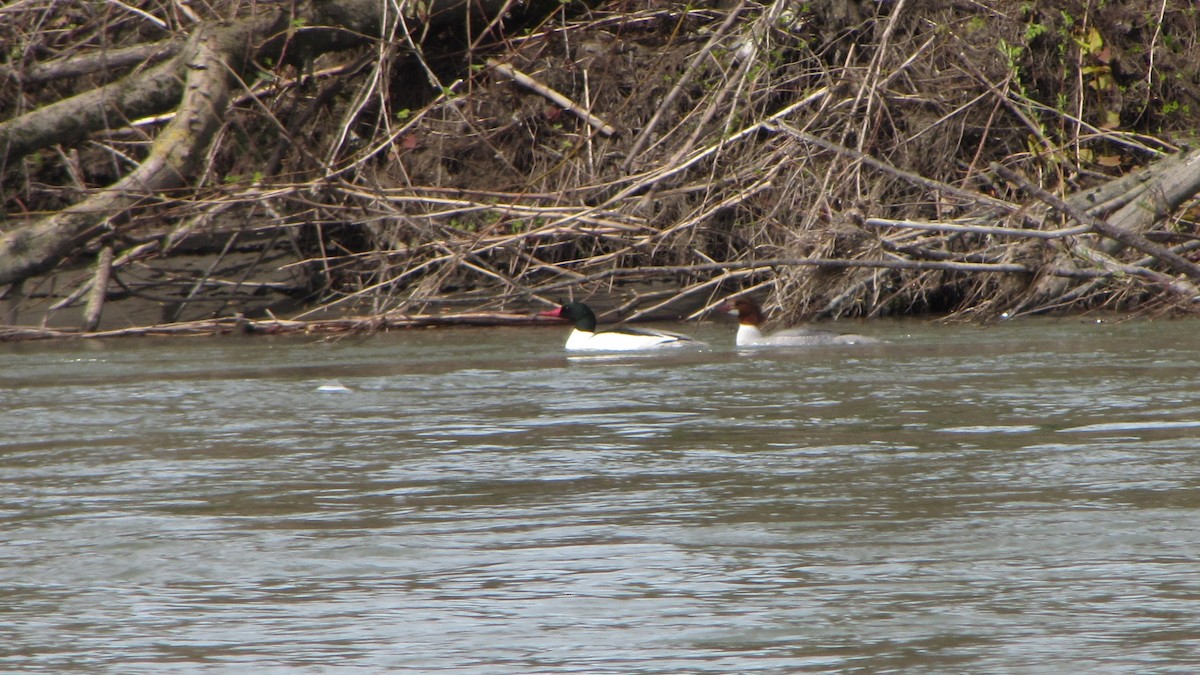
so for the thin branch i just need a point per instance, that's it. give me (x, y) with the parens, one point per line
(981, 229)
(95, 303)
(830, 263)
(602, 127)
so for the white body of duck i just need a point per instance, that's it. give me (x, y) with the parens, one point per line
(585, 337)
(749, 334)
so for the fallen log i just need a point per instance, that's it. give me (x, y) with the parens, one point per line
(1120, 219)
(244, 326)
(1118, 234)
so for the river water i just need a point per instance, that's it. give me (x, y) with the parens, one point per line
(1018, 498)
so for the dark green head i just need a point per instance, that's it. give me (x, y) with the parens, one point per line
(577, 313)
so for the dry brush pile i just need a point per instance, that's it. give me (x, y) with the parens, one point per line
(841, 158)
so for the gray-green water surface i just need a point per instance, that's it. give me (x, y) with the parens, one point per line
(1022, 498)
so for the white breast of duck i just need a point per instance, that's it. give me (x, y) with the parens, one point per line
(624, 340)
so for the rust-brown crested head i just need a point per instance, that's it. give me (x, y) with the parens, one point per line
(747, 310)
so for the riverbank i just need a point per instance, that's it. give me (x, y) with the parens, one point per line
(839, 159)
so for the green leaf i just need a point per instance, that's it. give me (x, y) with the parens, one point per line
(1090, 42)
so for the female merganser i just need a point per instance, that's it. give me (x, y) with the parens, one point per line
(585, 338)
(750, 317)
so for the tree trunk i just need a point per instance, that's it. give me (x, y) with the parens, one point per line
(173, 157)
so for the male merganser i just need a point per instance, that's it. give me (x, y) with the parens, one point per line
(585, 338)
(750, 317)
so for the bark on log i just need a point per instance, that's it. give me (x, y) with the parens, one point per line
(1174, 184)
(93, 62)
(173, 157)
(69, 121)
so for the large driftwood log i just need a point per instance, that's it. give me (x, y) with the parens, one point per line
(1117, 215)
